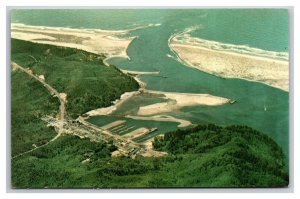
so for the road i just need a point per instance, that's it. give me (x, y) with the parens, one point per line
(54, 92)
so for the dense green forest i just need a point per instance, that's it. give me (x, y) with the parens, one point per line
(204, 156)
(228, 156)
(88, 83)
(29, 102)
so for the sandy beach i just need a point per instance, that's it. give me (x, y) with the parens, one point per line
(230, 61)
(108, 43)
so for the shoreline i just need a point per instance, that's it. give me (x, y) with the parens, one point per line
(125, 56)
(251, 64)
(97, 41)
(108, 110)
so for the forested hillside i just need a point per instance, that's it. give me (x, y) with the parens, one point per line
(88, 83)
(205, 156)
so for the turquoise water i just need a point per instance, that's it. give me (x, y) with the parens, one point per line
(264, 29)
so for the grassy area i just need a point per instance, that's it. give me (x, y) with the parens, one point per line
(206, 156)
(88, 83)
(29, 102)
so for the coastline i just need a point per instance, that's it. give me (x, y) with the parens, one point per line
(97, 41)
(125, 56)
(231, 61)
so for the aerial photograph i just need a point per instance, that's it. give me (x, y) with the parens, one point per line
(149, 98)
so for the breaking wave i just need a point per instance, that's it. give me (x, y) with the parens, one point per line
(185, 38)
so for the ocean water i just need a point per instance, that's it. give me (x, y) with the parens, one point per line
(261, 28)
(266, 29)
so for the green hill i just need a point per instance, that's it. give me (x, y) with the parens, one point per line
(233, 156)
(205, 156)
(88, 83)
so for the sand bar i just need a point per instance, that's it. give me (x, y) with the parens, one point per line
(232, 61)
(180, 100)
